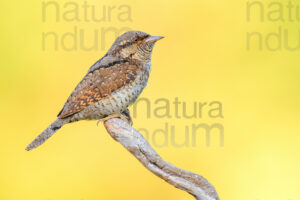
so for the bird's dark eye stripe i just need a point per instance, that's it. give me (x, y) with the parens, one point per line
(133, 42)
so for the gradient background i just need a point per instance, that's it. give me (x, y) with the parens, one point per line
(203, 58)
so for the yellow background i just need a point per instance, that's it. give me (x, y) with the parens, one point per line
(202, 58)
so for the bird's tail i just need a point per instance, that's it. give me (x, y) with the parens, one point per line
(40, 139)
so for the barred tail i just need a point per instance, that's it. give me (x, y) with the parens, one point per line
(40, 139)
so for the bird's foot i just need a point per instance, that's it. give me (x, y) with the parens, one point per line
(126, 113)
(125, 116)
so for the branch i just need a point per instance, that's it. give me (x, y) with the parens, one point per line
(136, 144)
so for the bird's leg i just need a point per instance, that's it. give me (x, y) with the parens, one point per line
(127, 114)
(115, 115)
(124, 116)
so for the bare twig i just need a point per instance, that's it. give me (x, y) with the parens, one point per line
(136, 144)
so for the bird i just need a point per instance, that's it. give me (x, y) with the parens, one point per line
(111, 84)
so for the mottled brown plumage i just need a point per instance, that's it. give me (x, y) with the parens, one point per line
(111, 84)
(97, 85)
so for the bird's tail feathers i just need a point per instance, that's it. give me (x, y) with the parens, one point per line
(47, 133)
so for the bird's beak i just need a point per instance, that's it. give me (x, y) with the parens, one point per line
(153, 39)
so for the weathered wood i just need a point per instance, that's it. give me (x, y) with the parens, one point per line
(137, 145)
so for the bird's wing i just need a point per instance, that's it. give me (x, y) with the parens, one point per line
(102, 79)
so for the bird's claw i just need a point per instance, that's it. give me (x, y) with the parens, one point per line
(125, 116)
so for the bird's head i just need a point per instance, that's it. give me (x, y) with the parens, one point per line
(134, 44)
